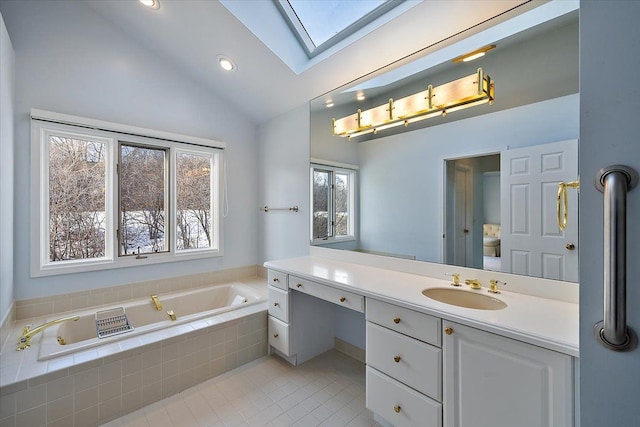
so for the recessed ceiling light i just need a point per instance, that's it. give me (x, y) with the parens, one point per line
(153, 4)
(360, 96)
(226, 63)
(475, 54)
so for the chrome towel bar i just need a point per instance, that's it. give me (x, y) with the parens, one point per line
(612, 332)
(292, 208)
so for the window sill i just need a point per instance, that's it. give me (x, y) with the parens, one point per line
(332, 240)
(122, 262)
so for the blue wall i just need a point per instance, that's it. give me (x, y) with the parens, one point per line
(609, 134)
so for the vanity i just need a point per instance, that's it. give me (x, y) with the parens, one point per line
(432, 363)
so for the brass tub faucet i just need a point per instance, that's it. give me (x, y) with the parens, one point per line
(156, 302)
(28, 333)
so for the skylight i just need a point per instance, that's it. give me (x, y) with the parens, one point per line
(319, 25)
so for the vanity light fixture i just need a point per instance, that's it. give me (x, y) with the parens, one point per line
(153, 4)
(226, 63)
(478, 53)
(360, 96)
(463, 93)
(329, 103)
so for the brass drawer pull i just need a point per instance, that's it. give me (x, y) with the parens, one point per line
(397, 409)
(342, 299)
(275, 279)
(397, 359)
(276, 335)
(275, 304)
(299, 285)
(448, 331)
(396, 320)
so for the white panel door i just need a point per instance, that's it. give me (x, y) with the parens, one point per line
(531, 242)
(492, 381)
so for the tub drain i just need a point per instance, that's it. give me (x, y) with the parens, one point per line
(112, 322)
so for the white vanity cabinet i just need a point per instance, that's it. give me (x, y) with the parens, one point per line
(490, 380)
(404, 365)
(279, 312)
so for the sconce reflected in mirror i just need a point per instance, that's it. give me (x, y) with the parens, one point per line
(466, 92)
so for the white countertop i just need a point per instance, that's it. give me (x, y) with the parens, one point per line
(547, 323)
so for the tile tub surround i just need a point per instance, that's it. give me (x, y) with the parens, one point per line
(100, 384)
(76, 301)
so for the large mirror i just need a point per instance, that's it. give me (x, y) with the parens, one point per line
(475, 187)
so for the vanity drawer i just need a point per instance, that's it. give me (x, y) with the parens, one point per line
(400, 405)
(417, 325)
(328, 293)
(410, 361)
(279, 304)
(279, 336)
(277, 279)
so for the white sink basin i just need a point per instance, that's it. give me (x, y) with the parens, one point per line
(467, 299)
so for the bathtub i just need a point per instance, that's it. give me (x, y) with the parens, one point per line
(144, 317)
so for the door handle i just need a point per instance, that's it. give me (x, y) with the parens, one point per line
(570, 246)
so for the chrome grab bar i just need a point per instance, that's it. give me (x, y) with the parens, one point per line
(615, 181)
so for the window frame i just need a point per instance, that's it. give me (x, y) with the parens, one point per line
(299, 31)
(334, 169)
(44, 124)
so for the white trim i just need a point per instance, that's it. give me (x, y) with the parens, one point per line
(321, 162)
(68, 119)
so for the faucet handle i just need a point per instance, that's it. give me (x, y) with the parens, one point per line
(455, 277)
(494, 286)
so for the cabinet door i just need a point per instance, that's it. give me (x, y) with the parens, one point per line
(499, 382)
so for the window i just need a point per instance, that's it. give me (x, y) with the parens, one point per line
(318, 25)
(332, 204)
(108, 199)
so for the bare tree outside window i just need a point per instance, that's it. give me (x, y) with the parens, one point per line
(341, 193)
(193, 213)
(142, 199)
(321, 203)
(333, 203)
(77, 203)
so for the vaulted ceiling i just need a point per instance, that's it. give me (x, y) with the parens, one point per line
(272, 77)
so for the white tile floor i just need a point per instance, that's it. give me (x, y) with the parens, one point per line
(326, 391)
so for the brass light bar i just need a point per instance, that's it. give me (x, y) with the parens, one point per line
(466, 92)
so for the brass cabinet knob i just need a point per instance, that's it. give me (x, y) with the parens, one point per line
(397, 359)
(275, 304)
(299, 285)
(396, 320)
(570, 246)
(448, 331)
(275, 279)
(276, 335)
(397, 409)
(342, 299)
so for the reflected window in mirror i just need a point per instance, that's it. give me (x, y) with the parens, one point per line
(333, 201)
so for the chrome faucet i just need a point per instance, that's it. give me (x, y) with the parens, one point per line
(156, 302)
(28, 333)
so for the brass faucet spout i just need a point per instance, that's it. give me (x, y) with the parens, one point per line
(156, 302)
(473, 283)
(28, 333)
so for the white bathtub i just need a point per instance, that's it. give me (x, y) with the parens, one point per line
(188, 306)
